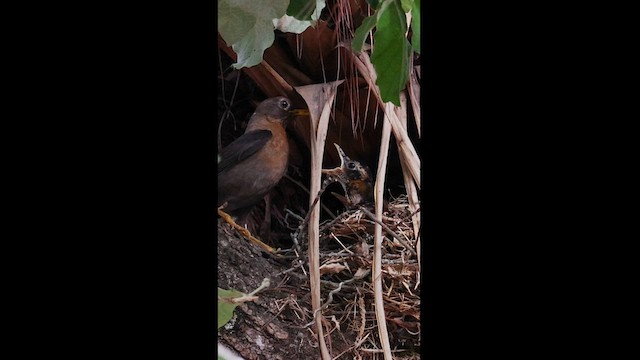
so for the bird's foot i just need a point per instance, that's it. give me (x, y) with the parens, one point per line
(226, 217)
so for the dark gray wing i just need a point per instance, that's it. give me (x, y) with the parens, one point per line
(242, 148)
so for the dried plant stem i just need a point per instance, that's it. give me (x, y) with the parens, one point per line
(410, 186)
(414, 95)
(314, 237)
(377, 249)
(282, 82)
(319, 99)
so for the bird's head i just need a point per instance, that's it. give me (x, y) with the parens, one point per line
(349, 170)
(354, 177)
(277, 109)
(273, 109)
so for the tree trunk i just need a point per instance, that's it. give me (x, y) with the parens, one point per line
(272, 327)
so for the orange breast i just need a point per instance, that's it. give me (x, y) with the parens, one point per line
(275, 153)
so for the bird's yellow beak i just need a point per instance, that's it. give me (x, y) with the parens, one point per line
(299, 112)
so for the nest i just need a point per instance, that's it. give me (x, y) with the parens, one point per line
(346, 263)
(346, 256)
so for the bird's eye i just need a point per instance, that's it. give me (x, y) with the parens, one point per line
(351, 166)
(284, 104)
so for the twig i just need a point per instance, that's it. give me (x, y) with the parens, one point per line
(324, 207)
(339, 217)
(399, 261)
(297, 265)
(411, 215)
(388, 230)
(357, 276)
(300, 231)
(332, 284)
(294, 236)
(227, 218)
(289, 212)
(339, 255)
(341, 244)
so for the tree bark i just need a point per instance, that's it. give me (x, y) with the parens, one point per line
(272, 327)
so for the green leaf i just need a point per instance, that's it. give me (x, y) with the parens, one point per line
(320, 5)
(301, 9)
(367, 24)
(291, 24)
(415, 26)
(407, 5)
(226, 305)
(247, 26)
(362, 31)
(383, 6)
(391, 52)
(374, 3)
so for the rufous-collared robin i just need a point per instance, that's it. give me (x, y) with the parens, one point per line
(251, 165)
(355, 178)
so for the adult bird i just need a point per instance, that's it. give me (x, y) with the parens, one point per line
(250, 166)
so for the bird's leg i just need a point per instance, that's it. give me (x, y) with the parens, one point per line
(265, 227)
(226, 217)
(300, 231)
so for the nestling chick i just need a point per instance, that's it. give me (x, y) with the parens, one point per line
(355, 178)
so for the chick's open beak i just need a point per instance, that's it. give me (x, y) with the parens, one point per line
(338, 173)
